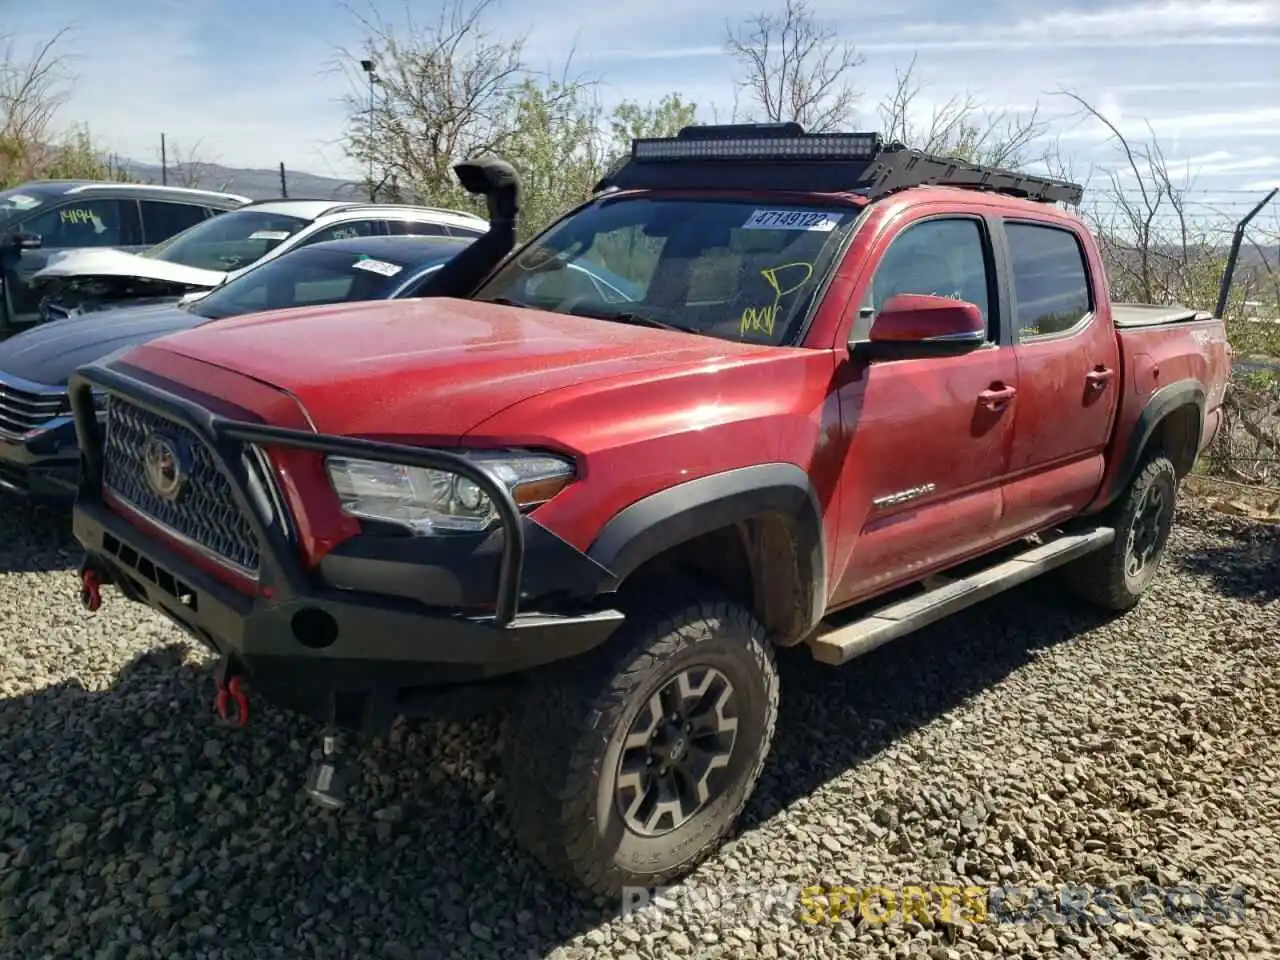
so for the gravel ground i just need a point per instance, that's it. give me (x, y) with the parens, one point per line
(1025, 742)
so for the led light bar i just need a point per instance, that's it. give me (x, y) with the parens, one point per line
(815, 146)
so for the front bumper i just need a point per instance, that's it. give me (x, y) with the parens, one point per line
(43, 466)
(363, 623)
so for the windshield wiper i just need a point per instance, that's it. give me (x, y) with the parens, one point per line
(638, 319)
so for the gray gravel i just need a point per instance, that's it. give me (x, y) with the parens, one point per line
(1026, 742)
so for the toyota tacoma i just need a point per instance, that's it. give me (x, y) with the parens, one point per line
(852, 389)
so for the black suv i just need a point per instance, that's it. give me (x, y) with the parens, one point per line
(45, 216)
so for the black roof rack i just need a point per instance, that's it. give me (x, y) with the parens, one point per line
(782, 156)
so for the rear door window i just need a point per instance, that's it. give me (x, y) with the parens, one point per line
(162, 219)
(1050, 281)
(347, 230)
(415, 228)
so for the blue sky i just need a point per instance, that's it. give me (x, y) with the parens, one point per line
(252, 80)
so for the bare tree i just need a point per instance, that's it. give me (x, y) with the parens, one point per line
(1156, 250)
(962, 127)
(186, 166)
(794, 69)
(31, 92)
(443, 92)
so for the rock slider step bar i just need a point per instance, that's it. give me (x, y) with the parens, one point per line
(906, 616)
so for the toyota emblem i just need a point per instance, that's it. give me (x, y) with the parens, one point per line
(164, 468)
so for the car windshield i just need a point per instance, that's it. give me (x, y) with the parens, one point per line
(308, 277)
(729, 269)
(14, 203)
(228, 241)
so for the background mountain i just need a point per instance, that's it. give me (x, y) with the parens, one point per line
(258, 184)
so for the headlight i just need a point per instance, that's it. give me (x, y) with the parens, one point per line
(426, 501)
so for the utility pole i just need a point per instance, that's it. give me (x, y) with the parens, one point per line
(164, 163)
(369, 67)
(284, 183)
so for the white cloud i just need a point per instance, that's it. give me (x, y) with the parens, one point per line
(1142, 19)
(1210, 164)
(136, 79)
(1192, 86)
(1234, 166)
(1187, 125)
(148, 67)
(1173, 23)
(1069, 42)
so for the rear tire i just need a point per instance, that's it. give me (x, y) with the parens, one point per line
(607, 793)
(1116, 577)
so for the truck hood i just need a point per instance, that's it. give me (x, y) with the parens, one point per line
(431, 369)
(51, 352)
(119, 263)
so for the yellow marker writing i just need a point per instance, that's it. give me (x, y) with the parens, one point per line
(762, 319)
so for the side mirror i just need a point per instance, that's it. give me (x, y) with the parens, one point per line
(923, 325)
(25, 241)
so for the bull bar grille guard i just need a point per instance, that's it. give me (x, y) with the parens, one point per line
(280, 565)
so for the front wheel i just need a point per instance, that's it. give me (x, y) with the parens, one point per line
(627, 767)
(1116, 577)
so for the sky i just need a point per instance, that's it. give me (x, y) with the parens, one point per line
(254, 83)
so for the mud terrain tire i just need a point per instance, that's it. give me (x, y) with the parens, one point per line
(583, 802)
(1116, 577)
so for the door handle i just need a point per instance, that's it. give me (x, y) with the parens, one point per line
(996, 397)
(1099, 377)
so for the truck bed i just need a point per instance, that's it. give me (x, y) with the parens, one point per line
(1154, 315)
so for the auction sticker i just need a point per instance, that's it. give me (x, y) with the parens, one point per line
(378, 266)
(269, 235)
(819, 220)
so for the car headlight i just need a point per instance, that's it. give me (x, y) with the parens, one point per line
(429, 501)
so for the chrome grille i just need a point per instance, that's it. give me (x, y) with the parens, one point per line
(206, 515)
(26, 408)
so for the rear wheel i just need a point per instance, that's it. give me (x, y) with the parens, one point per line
(627, 767)
(1116, 577)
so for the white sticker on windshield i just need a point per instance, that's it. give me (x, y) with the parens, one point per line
(378, 266)
(269, 235)
(20, 201)
(820, 221)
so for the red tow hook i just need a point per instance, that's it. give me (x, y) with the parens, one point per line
(230, 702)
(91, 590)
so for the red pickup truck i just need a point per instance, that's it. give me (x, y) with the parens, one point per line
(765, 388)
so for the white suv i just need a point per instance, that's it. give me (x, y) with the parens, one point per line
(198, 259)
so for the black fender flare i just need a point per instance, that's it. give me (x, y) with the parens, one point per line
(666, 519)
(1163, 402)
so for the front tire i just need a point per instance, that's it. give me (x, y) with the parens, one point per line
(1116, 577)
(629, 766)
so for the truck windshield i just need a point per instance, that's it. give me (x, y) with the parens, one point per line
(724, 268)
(228, 241)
